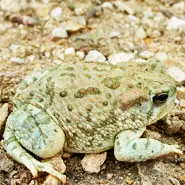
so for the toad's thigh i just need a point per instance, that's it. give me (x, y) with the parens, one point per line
(38, 133)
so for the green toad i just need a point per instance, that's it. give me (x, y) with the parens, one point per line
(89, 108)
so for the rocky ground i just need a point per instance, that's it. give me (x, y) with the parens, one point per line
(36, 34)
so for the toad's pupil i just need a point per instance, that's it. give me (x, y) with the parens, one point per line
(161, 98)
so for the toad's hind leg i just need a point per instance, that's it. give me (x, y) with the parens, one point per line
(130, 147)
(39, 134)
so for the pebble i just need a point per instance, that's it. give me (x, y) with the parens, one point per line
(93, 12)
(146, 54)
(56, 61)
(80, 54)
(3, 114)
(56, 12)
(31, 58)
(33, 182)
(161, 56)
(182, 103)
(127, 7)
(92, 162)
(133, 19)
(2, 29)
(95, 56)
(61, 56)
(174, 181)
(22, 19)
(181, 92)
(69, 51)
(51, 180)
(177, 74)
(152, 134)
(140, 60)
(82, 20)
(110, 175)
(17, 60)
(107, 5)
(140, 33)
(176, 24)
(74, 25)
(59, 33)
(47, 54)
(43, 11)
(155, 34)
(66, 155)
(14, 47)
(129, 181)
(148, 14)
(116, 58)
(179, 7)
(13, 6)
(114, 34)
(79, 11)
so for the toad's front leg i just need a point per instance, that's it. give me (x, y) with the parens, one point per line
(39, 134)
(130, 147)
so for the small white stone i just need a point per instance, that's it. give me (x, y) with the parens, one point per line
(14, 47)
(127, 7)
(31, 58)
(107, 5)
(73, 25)
(177, 74)
(70, 51)
(110, 175)
(61, 56)
(161, 56)
(148, 13)
(180, 6)
(95, 56)
(80, 54)
(146, 54)
(133, 19)
(56, 12)
(82, 21)
(116, 58)
(17, 60)
(174, 180)
(79, 11)
(3, 114)
(59, 33)
(56, 61)
(114, 34)
(176, 24)
(47, 54)
(155, 34)
(51, 180)
(2, 29)
(140, 60)
(140, 33)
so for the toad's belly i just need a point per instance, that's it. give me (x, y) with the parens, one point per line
(89, 144)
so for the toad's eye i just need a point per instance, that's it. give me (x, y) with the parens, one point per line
(160, 98)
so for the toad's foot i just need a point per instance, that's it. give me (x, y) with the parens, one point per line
(15, 150)
(130, 147)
